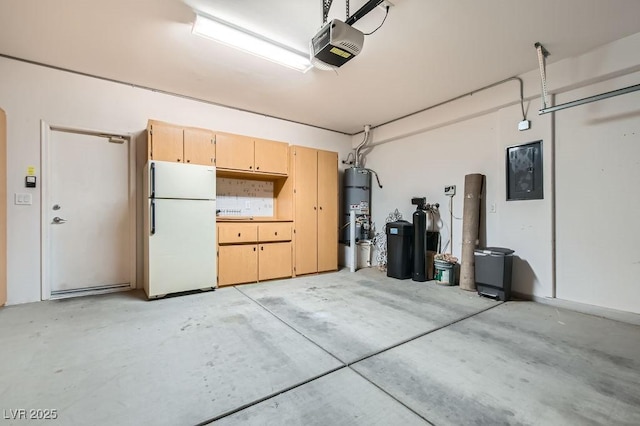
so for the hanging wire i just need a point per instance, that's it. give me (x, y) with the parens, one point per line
(381, 24)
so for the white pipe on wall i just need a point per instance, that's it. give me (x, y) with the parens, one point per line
(352, 239)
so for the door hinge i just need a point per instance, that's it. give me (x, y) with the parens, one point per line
(294, 191)
(213, 161)
(151, 130)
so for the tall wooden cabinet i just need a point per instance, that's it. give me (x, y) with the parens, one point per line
(168, 142)
(3, 208)
(315, 200)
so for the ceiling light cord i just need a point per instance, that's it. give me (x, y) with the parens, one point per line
(381, 24)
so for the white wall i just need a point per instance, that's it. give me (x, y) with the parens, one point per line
(598, 206)
(421, 154)
(30, 93)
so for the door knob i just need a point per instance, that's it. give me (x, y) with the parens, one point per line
(59, 220)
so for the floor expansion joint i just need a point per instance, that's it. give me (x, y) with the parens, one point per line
(344, 364)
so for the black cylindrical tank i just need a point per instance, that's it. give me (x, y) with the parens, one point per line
(419, 245)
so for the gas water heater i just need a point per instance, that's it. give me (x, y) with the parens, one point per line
(357, 197)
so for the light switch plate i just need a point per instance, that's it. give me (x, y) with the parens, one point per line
(23, 199)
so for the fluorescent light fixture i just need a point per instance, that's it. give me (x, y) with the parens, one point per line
(239, 38)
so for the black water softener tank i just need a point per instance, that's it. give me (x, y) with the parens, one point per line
(399, 236)
(419, 240)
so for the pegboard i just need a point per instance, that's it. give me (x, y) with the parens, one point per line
(244, 197)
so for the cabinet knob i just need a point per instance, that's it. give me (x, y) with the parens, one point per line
(258, 168)
(250, 167)
(276, 232)
(238, 234)
(188, 161)
(178, 160)
(254, 249)
(261, 247)
(315, 208)
(320, 207)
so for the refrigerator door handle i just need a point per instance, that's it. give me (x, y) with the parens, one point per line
(153, 180)
(153, 216)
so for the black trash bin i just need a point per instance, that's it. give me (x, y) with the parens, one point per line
(399, 251)
(493, 272)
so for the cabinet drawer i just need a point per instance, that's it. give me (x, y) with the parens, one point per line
(233, 233)
(274, 232)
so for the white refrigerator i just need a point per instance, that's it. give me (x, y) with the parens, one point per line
(179, 227)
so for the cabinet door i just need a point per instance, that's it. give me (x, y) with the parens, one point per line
(327, 211)
(199, 147)
(3, 208)
(235, 233)
(274, 261)
(271, 156)
(237, 264)
(306, 210)
(234, 152)
(166, 142)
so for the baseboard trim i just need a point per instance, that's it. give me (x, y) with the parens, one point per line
(598, 311)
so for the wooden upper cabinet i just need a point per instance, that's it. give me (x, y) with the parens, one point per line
(271, 156)
(247, 154)
(165, 142)
(168, 142)
(234, 152)
(199, 147)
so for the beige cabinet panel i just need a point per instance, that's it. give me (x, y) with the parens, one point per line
(306, 209)
(3, 208)
(234, 152)
(274, 232)
(271, 156)
(274, 261)
(327, 211)
(237, 264)
(165, 142)
(199, 147)
(235, 233)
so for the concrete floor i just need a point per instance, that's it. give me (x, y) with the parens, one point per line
(339, 348)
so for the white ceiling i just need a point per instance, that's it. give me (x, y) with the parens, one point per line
(427, 51)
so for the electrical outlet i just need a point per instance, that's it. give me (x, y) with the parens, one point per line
(492, 208)
(450, 191)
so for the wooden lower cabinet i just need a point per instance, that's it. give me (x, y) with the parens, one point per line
(250, 252)
(237, 264)
(274, 261)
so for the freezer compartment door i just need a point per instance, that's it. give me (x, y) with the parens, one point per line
(165, 179)
(181, 246)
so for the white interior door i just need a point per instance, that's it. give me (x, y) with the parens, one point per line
(88, 213)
